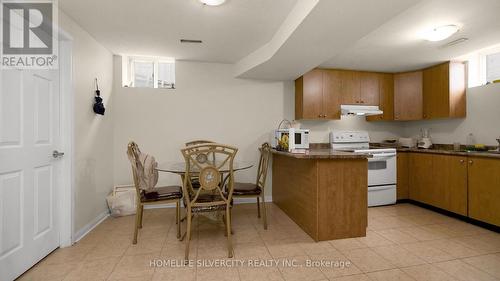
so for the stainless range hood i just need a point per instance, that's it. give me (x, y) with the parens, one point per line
(360, 110)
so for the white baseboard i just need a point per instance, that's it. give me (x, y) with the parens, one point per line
(91, 225)
(236, 201)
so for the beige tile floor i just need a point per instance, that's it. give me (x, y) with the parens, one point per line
(403, 242)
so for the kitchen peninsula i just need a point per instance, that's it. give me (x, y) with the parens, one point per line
(323, 191)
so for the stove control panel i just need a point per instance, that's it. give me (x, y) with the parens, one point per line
(337, 136)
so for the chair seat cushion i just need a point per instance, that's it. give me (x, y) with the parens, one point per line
(208, 197)
(246, 189)
(162, 193)
(195, 183)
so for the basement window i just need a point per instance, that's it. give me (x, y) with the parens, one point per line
(492, 67)
(144, 72)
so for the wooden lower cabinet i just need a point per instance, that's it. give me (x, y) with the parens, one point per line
(449, 179)
(327, 198)
(439, 180)
(420, 169)
(402, 175)
(484, 189)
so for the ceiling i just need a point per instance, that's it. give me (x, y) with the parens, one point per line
(154, 27)
(331, 27)
(397, 45)
(282, 39)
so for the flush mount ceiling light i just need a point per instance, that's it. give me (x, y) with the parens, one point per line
(441, 32)
(212, 2)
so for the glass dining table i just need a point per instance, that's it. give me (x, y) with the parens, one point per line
(180, 167)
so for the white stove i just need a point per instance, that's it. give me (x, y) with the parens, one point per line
(381, 167)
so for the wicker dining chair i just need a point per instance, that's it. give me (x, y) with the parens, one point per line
(194, 182)
(210, 196)
(256, 190)
(160, 195)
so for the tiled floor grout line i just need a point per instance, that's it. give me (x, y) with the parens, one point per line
(479, 268)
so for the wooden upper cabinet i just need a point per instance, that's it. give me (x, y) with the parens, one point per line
(408, 96)
(444, 91)
(350, 89)
(332, 86)
(369, 88)
(386, 98)
(359, 87)
(309, 95)
(432, 93)
(484, 189)
(317, 95)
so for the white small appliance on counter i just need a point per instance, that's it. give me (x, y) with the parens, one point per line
(298, 139)
(407, 142)
(425, 139)
(382, 175)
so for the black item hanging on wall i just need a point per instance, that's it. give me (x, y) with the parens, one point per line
(98, 105)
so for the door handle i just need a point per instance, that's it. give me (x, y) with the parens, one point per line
(57, 154)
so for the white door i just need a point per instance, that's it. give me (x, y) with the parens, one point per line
(29, 133)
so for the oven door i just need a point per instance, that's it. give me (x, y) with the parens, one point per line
(382, 169)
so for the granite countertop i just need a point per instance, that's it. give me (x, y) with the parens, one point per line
(323, 153)
(443, 149)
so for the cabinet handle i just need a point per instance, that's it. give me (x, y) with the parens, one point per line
(462, 161)
(324, 115)
(320, 116)
(471, 162)
(362, 102)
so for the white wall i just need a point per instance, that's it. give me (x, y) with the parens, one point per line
(483, 120)
(93, 133)
(209, 103)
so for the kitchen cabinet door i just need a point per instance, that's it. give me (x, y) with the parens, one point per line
(449, 183)
(309, 95)
(350, 87)
(402, 175)
(408, 96)
(332, 86)
(369, 88)
(420, 177)
(386, 98)
(484, 189)
(444, 91)
(436, 102)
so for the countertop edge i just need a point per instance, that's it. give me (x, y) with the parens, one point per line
(323, 154)
(449, 152)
